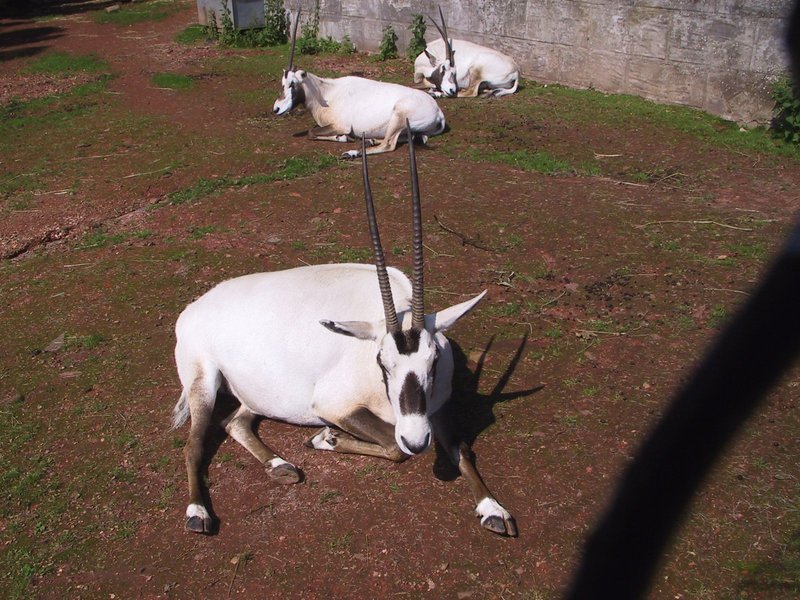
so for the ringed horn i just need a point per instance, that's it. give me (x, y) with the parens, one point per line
(294, 41)
(443, 33)
(417, 287)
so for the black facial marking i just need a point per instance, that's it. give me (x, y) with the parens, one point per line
(412, 396)
(436, 77)
(407, 342)
(298, 94)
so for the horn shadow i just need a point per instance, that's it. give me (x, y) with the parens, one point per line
(470, 411)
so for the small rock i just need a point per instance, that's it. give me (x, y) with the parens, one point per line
(112, 8)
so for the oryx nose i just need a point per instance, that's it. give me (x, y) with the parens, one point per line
(417, 449)
(275, 109)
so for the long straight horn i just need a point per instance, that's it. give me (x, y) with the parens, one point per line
(447, 45)
(417, 281)
(380, 262)
(294, 41)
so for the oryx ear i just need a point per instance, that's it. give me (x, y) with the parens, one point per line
(363, 330)
(431, 58)
(444, 319)
(300, 74)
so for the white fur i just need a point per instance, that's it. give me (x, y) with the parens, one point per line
(489, 507)
(262, 334)
(197, 510)
(473, 64)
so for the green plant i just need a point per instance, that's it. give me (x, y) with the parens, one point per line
(786, 114)
(276, 25)
(388, 47)
(417, 43)
(309, 41)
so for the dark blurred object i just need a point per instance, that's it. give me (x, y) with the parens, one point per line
(761, 342)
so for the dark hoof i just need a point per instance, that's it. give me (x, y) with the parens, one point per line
(198, 525)
(285, 473)
(497, 525)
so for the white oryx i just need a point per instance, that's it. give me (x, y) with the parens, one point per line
(324, 345)
(457, 67)
(345, 106)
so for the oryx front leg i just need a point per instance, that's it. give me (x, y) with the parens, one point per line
(362, 432)
(240, 427)
(493, 516)
(329, 133)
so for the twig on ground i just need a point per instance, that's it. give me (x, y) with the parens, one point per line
(697, 222)
(465, 239)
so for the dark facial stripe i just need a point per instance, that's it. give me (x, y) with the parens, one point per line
(407, 342)
(412, 396)
(436, 77)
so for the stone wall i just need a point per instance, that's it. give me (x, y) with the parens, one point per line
(718, 55)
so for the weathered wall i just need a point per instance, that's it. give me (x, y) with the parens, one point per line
(718, 55)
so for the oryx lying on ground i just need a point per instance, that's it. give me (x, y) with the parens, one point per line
(457, 67)
(324, 345)
(346, 106)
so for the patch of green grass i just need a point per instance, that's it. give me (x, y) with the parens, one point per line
(130, 14)
(172, 81)
(590, 107)
(329, 495)
(503, 310)
(341, 542)
(198, 233)
(86, 341)
(780, 574)
(540, 161)
(58, 63)
(755, 251)
(98, 238)
(355, 255)
(292, 168)
(192, 34)
(717, 317)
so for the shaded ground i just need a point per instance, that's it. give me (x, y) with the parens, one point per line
(608, 273)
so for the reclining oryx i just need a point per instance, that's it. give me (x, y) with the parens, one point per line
(346, 105)
(324, 345)
(457, 67)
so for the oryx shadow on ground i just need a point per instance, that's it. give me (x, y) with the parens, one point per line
(470, 411)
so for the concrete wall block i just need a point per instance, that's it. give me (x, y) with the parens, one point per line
(646, 32)
(665, 82)
(767, 56)
(754, 8)
(742, 96)
(727, 42)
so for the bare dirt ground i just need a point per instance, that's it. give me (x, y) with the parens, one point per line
(606, 282)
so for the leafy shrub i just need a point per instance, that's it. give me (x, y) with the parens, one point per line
(417, 43)
(786, 119)
(309, 41)
(388, 47)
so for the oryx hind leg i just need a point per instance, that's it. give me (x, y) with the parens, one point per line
(394, 129)
(493, 516)
(200, 396)
(240, 426)
(360, 432)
